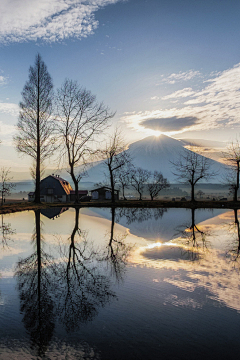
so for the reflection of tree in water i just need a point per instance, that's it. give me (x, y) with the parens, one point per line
(117, 251)
(34, 283)
(234, 246)
(140, 214)
(82, 285)
(6, 232)
(71, 289)
(193, 239)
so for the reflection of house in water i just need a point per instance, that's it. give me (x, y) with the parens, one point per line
(104, 193)
(55, 189)
(53, 212)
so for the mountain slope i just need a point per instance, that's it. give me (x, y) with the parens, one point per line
(156, 153)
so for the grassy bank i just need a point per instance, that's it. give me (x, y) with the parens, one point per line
(24, 206)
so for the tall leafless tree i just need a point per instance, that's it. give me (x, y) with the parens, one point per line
(80, 119)
(232, 158)
(139, 180)
(191, 168)
(6, 184)
(116, 158)
(156, 183)
(35, 126)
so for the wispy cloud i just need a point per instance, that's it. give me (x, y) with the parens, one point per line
(181, 76)
(154, 98)
(50, 21)
(180, 94)
(3, 80)
(216, 105)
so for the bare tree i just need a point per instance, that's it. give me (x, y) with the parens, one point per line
(191, 168)
(123, 177)
(83, 286)
(116, 157)
(193, 238)
(35, 125)
(80, 119)
(156, 183)
(139, 179)
(6, 184)
(232, 158)
(6, 231)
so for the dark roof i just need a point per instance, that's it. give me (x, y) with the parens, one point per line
(79, 191)
(60, 186)
(52, 212)
(104, 188)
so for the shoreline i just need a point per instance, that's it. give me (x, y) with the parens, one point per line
(13, 207)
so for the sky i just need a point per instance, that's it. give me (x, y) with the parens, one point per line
(164, 66)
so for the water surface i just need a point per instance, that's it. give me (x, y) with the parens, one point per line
(124, 284)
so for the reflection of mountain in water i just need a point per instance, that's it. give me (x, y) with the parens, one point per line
(52, 213)
(156, 224)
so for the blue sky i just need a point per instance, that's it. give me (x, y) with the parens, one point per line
(163, 66)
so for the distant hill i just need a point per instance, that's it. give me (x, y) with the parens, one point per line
(155, 153)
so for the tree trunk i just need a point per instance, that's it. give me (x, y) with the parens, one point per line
(192, 192)
(151, 196)
(112, 183)
(75, 185)
(193, 226)
(76, 227)
(38, 159)
(38, 238)
(237, 187)
(112, 226)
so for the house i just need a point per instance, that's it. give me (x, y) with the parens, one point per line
(53, 188)
(104, 193)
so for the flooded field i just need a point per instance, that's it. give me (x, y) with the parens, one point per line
(120, 284)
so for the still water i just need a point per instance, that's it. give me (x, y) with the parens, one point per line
(123, 284)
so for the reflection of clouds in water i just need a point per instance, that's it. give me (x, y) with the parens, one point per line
(167, 251)
(213, 271)
(177, 301)
(58, 349)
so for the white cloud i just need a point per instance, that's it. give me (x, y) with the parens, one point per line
(3, 80)
(154, 98)
(217, 105)
(6, 129)
(51, 21)
(181, 76)
(9, 108)
(180, 93)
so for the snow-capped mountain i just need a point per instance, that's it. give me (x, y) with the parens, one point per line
(156, 153)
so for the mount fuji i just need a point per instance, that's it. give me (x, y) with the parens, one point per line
(156, 153)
